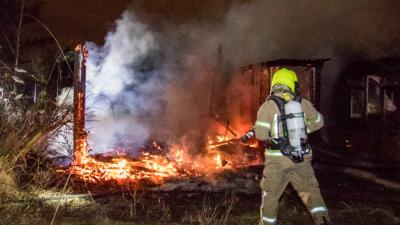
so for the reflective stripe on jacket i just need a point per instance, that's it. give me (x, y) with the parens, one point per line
(268, 125)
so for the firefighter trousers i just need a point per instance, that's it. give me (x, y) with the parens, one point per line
(278, 172)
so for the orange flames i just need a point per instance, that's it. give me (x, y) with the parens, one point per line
(221, 152)
(176, 161)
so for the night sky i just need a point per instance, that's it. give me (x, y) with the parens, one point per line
(275, 29)
(73, 21)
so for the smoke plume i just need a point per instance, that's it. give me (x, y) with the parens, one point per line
(167, 80)
(120, 92)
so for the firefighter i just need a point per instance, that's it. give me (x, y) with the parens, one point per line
(285, 161)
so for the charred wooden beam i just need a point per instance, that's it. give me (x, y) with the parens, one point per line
(80, 134)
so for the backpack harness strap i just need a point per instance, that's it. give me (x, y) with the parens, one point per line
(282, 143)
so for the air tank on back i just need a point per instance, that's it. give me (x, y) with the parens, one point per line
(295, 124)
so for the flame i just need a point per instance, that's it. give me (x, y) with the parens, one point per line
(222, 138)
(173, 161)
(218, 161)
(176, 161)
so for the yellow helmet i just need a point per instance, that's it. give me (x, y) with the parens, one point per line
(285, 77)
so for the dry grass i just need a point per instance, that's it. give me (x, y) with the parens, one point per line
(7, 178)
(24, 124)
(25, 170)
(211, 213)
(363, 213)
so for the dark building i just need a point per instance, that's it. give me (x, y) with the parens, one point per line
(369, 98)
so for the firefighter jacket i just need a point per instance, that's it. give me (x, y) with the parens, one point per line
(268, 125)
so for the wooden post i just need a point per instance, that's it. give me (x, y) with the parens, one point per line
(80, 134)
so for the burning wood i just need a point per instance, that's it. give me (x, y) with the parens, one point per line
(155, 166)
(175, 162)
(80, 135)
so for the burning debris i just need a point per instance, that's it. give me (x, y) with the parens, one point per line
(115, 97)
(154, 163)
(174, 162)
(158, 162)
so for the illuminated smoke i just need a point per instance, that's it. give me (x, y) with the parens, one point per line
(156, 80)
(60, 140)
(119, 92)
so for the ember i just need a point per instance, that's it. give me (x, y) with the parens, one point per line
(175, 162)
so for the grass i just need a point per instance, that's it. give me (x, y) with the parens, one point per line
(364, 213)
(211, 214)
(35, 200)
(202, 210)
(24, 167)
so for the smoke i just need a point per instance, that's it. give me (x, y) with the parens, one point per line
(256, 31)
(120, 92)
(345, 31)
(60, 140)
(165, 79)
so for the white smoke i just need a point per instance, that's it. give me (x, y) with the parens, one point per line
(119, 93)
(171, 100)
(60, 140)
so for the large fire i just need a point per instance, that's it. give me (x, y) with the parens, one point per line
(175, 161)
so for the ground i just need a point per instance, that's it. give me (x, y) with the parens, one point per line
(352, 200)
